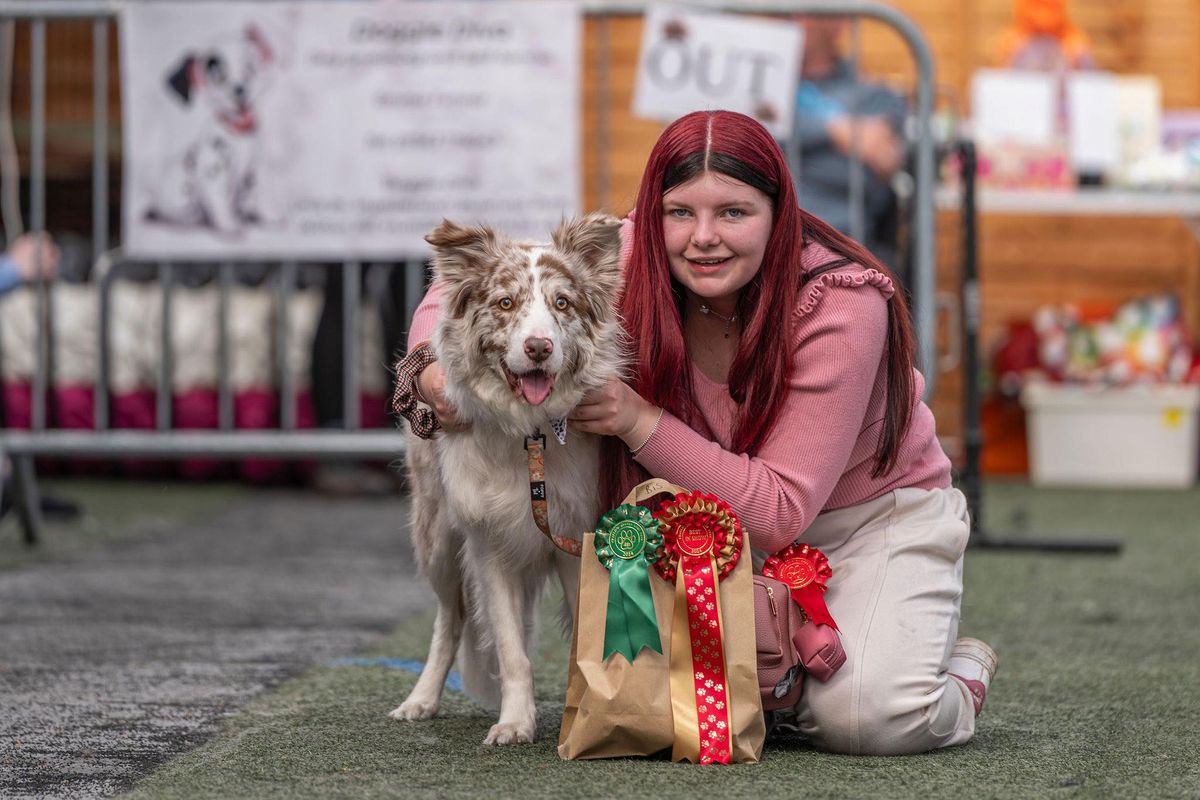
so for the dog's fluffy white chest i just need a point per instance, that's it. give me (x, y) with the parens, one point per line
(486, 480)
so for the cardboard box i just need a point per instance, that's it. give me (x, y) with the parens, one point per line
(1136, 436)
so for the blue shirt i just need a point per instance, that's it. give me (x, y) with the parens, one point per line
(10, 276)
(824, 184)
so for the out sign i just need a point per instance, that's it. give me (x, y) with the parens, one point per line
(693, 61)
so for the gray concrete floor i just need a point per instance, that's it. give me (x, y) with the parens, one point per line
(118, 657)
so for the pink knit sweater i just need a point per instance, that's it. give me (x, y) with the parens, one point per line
(819, 455)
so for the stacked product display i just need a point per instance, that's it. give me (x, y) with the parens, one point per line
(1114, 397)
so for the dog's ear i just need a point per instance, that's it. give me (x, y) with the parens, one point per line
(180, 80)
(594, 243)
(259, 44)
(461, 258)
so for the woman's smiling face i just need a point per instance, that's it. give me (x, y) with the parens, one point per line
(716, 230)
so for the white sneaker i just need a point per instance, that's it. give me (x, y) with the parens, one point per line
(974, 663)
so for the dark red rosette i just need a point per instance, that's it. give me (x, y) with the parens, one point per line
(806, 570)
(694, 524)
(702, 542)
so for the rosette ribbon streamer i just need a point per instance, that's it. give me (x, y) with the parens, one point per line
(702, 541)
(806, 570)
(627, 543)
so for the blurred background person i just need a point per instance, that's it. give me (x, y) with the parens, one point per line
(22, 263)
(836, 112)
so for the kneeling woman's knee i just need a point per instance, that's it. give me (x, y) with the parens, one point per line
(882, 723)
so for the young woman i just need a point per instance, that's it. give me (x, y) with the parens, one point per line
(772, 366)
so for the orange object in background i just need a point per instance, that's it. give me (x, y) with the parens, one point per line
(1039, 24)
(1096, 311)
(1005, 451)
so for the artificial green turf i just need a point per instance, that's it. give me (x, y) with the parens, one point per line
(1097, 696)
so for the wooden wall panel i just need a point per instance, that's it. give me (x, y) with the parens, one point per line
(68, 95)
(611, 178)
(1028, 261)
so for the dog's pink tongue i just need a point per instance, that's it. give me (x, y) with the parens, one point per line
(242, 121)
(535, 387)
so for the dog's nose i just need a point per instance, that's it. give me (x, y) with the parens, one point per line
(538, 349)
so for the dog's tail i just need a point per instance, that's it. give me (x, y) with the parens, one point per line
(479, 664)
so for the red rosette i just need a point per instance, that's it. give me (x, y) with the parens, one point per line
(692, 523)
(806, 570)
(702, 542)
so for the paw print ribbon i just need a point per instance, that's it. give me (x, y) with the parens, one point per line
(702, 541)
(805, 569)
(627, 543)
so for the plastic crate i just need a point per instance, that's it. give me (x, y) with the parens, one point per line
(1136, 436)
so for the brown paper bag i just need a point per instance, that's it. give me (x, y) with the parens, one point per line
(616, 708)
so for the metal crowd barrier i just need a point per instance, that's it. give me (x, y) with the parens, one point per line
(352, 442)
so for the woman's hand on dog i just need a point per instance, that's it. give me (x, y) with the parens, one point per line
(615, 409)
(431, 386)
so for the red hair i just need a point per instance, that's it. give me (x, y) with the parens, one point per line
(651, 306)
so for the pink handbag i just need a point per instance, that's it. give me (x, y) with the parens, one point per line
(789, 644)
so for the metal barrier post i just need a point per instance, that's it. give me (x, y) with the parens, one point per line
(225, 411)
(37, 213)
(166, 367)
(99, 137)
(351, 290)
(285, 283)
(26, 499)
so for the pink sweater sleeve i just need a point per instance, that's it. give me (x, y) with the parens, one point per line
(778, 492)
(425, 318)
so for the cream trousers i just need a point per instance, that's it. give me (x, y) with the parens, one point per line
(895, 594)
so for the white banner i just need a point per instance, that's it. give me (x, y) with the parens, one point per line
(344, 130)
(696, 61)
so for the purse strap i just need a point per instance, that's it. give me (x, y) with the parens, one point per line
(821, 269)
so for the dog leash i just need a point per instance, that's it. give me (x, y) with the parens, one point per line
(535, 448)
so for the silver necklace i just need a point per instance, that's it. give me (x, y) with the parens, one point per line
(732, 318)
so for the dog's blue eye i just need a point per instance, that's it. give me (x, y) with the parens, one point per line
(505, 303)
(561, 304)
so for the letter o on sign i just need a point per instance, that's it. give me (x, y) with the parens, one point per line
(669, 63)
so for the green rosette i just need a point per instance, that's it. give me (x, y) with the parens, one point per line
(627, 542)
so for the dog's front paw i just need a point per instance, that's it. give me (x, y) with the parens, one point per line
(511, 733)
(414, 709)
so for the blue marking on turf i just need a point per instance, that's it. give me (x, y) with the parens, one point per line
(453, 680)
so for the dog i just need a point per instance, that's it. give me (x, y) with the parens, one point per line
(525, 331)
(210, 182)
